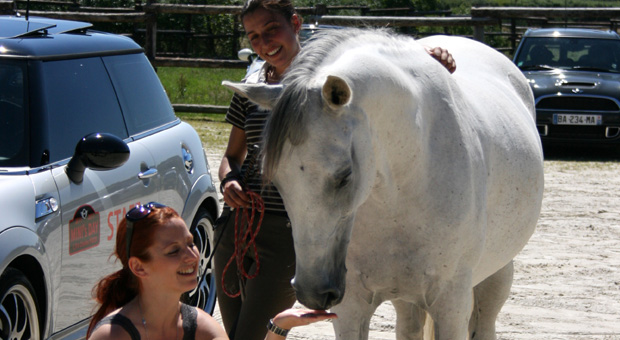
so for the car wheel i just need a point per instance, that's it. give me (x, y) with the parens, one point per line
(19, 310)
(204, 294)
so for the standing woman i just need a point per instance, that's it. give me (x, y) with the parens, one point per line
(160, 260)
(272, 26)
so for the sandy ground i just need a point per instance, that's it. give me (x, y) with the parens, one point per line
(567, 278)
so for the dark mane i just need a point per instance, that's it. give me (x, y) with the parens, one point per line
(288, 117)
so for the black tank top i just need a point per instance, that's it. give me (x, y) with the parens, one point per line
(188, 313)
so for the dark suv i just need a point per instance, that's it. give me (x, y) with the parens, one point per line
(575, 76)
(86, 133)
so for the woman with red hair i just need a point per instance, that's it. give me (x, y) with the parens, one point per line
(159, 263)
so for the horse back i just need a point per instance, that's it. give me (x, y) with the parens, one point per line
(478, 63)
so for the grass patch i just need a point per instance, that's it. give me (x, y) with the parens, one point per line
(211, 128)
(186, 85)
(202, 86)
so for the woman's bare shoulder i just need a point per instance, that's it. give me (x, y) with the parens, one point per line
(208, 327)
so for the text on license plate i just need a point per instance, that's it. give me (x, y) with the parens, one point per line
(567, 119)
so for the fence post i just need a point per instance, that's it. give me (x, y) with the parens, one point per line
(479, 33)
(150, 39)
(237, 35)
(513, 35)
(319, 11)
(478, 27)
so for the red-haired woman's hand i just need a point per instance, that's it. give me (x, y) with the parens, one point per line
(301, 317)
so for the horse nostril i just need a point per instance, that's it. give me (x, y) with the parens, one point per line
(331, 297)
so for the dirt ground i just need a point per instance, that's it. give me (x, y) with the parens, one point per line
(567, 278)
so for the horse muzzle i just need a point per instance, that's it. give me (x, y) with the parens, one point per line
(320, 268)
(320, 296)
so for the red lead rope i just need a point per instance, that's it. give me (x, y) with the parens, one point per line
(258, 206)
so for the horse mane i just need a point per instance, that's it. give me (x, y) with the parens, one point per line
(287, 119)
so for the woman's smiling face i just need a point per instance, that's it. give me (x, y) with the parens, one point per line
(174, 257)
(273, 37)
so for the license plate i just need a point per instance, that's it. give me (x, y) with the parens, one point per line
(568, 119)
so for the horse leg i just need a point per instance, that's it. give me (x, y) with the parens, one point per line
(451, 309)
(354, 312)
(489, 297)
(409, 320)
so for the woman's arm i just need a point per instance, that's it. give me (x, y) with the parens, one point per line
(290, 318)
(230, 169)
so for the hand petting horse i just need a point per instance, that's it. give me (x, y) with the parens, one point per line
(404, 182)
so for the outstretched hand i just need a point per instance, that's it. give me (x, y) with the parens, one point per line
(443, 56)
(301, 317)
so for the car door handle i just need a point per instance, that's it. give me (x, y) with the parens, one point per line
(148, 173)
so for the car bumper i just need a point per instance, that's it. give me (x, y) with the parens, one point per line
(606, 131)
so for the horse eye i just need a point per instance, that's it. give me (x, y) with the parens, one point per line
(345, 178)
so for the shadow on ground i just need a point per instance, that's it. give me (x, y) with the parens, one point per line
(579, 153)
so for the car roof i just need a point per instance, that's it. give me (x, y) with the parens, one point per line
(45, 38)
(571, 33)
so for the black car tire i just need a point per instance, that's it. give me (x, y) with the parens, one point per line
(204, 294)
(19, 309)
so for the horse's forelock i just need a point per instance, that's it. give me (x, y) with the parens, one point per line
(286, 122)
(287, 118)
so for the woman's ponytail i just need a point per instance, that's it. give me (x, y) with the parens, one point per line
(112, 292)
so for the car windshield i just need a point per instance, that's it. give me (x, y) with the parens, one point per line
(13, 120)
(601, 55)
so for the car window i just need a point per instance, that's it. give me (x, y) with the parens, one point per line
(79, 100)
(12, 114)
(141, 95)
(570, 53)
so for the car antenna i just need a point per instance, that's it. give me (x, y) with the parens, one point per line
(27, 9)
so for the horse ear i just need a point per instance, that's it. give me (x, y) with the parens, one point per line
(336, 92)
(262, 94)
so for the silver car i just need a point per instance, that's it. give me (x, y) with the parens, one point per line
(86, 133)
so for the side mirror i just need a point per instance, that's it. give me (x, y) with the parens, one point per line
(246, 54)
(97, 151)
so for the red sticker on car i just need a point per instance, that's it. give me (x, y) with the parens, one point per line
(83, 230)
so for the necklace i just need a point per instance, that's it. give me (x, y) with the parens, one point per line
(146, 331)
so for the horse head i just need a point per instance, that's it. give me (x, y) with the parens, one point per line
(332, 178)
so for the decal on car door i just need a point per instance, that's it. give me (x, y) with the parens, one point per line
(83, 230)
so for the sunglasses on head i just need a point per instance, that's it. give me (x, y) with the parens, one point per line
(135, 214)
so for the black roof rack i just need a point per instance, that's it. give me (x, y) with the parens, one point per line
(17, 27)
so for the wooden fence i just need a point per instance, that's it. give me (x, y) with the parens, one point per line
(486, 23)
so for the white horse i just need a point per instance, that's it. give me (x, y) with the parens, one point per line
(432, 181)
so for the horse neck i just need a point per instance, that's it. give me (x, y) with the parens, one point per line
(406, 113)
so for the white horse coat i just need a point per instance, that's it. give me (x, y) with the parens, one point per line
(427, 183)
